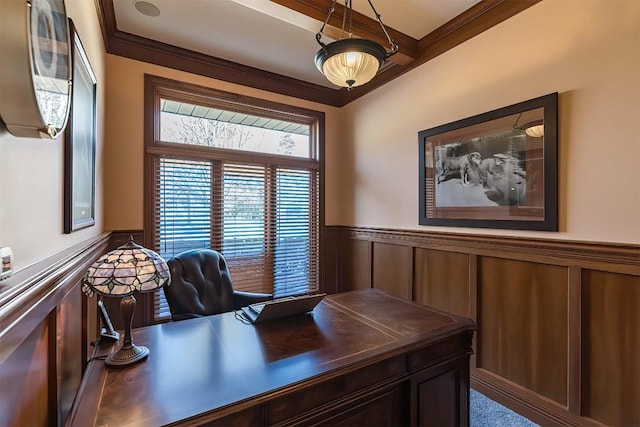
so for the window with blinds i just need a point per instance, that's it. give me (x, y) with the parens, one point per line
(239, 178)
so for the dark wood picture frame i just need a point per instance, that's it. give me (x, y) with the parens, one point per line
(495, 170)
(80, 142)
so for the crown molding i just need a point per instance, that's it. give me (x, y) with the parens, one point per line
(479, 18)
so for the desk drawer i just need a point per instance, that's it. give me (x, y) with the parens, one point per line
(381, 408)
(438, 352)
(333, 389)
(249, 417)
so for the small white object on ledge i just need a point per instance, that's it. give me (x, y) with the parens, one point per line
(6, 262)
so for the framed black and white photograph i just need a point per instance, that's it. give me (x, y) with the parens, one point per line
(80, 142)
(495, 170)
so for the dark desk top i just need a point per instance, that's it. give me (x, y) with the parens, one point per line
(202, 365)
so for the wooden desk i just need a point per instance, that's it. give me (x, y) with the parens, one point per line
(362, 358)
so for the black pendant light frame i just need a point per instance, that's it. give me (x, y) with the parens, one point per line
(352, 44)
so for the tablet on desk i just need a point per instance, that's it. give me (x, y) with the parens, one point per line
(281, 307)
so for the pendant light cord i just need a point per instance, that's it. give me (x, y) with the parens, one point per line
(332, 8)
(349, 10)
(394, 46)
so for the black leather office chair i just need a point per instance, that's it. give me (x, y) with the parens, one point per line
(201, 286)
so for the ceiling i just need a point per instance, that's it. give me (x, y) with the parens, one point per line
(271, 44)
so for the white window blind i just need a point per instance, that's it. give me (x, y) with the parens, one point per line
(184, 208)
(244, 226)
(264, 217)
(295, 234)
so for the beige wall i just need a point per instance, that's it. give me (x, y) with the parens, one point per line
(588, 51)
(124, 137)
(31, 170)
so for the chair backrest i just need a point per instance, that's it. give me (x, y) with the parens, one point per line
(200, 284)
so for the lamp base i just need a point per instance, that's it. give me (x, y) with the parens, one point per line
(127, 356)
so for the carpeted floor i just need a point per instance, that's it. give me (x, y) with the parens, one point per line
(484, 412)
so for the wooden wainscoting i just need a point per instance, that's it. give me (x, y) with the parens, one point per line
(46, 326)
(559, 335)
(611, 321)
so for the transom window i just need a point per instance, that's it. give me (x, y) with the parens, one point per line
(238, 175)
(185, 123)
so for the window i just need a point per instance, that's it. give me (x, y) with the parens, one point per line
(238, 175)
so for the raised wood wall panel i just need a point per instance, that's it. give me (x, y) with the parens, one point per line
(70, 348)
(574, 379)
(519, 336)
(611, 347)
(356, 268)
(45, 331)
(557, 320)
(329, 275)
(441, 280)
(24, 382)
(392, 269)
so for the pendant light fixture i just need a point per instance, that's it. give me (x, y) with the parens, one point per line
(534, 129)
(350, 62)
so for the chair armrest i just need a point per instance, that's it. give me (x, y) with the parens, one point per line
(243, 299)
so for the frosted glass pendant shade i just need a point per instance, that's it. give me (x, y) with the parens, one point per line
(350, 62)
(535, 131)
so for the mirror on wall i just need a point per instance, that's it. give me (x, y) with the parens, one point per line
(35, 71)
